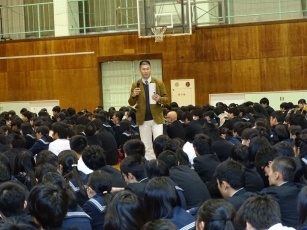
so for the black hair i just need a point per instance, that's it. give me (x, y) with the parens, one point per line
(261, 212)
(217, 214)
(43, 169)
(46, 156)
(286, 166)
(133, 164)
(160, 198)
(94, 157)
(240, 154)
(48, 205)
(202, 144)
(160, 224)
(78, 143)
(12, 199)
(67, 158)
(156, 168)
(126, 211)
(169, 158)
(302, 207)
(18, 141)
(101, 182)
(232, 172)
(61, 129)
(158, 144)
(43, 129)
(134, 146)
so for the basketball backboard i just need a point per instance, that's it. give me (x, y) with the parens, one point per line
(175, 15)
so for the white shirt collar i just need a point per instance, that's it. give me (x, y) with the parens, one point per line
(148, 79)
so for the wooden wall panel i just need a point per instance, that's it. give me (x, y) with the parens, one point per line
(216, 44)
(274, 73)
(296, 38)
(4, 93)
(244, 43)
(273, 40)
(226, 59)
(298, 73)
(219, 79)
(245, 75)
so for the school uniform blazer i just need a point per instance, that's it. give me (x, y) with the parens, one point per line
(286, 196)
(239, 198)
(140, 102)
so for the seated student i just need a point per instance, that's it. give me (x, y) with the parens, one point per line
(18, 143)
(194, 189)
(98, 188)
(43, 140)
(134, 147)
(67, 166)
(281, 175)
(252, 180)
(108, 142)
(118, 215)
(260, 212)
(94, 158)
(158, 144)
(12, 200)
(134, 172)
(230, 182)
(221, 146)
(215, 214)
(161, 202)
(160, 224)
(75, 216)
(60, 134)
(24, 169)
(48, 206)
(28, 133)
(78, 144)
(302, 209)
(205, 161)
(127, 133)
(174, 127)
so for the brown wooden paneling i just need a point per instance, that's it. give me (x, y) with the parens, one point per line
(216, 44)
(244, 43)
(4, 93)
(274, 73)
(225, 59)
(273, 40)
(296, 38)
(245, 75)
(298, 73)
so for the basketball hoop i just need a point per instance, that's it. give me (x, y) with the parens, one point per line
(158, 31)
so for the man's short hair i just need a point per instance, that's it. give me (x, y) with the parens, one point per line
(133, 164)
(262, 212)
(78, 143)
(18, 141)
(286, 166)
(202, 143)
(56, 109)
(144, 62)
(48, 205)
(158, 144)
(232, 172)
(94, 157)
(134, 147)
(43, 129)
(169, 158)
(12, 199)
(264, 100)
(61, 129)
(280, 117)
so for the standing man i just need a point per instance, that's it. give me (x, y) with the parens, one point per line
(149, 116)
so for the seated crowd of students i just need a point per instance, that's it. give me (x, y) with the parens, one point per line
(219, 168)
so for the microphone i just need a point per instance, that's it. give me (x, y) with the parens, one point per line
(138, 84)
